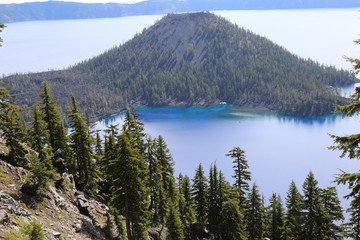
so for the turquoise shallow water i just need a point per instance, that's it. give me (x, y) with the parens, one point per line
(278, 148)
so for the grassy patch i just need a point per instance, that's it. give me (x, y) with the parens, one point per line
(4, 179)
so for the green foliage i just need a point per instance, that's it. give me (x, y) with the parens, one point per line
(332, 214)
(130, 196)
(349, 146)
(81, 144)
(200, 193)
(159, 67)
(275, 217)
(32, 231)
(293, 217)
(241, 175)
(186, 201)
(216, 198)
(174, 224)
(255, 214)
(232, 222)
(314, 211)
(38, 183)
(4, 179)
(2, 26)
(36, 232)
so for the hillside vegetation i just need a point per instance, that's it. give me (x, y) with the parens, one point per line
(192, 59)
(53, 10)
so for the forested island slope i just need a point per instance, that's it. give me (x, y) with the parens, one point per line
(54, 10)
(192, 59)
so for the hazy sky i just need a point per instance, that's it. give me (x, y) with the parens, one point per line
(86, 1)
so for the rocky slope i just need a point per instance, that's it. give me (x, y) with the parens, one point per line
(63, 212)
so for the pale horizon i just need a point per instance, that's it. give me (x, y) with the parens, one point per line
(82, 1)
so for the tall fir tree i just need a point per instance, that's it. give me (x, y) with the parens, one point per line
(130, 195)
(232, 222)
(354, 220)
(275, 216)
(174, 224)
(294, 216)
(215, 199)
(154, 180)
(187, 212)
(349, 146)
(255, 215)
(55, 125)
(81, 143)
(200, 194)
(313, 211)
(11, 128)
(332, 214)
(241, 173)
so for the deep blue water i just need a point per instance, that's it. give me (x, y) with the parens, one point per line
(278, 148)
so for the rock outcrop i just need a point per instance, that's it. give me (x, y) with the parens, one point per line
(63, 212)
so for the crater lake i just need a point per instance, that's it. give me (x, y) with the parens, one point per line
(278, 148)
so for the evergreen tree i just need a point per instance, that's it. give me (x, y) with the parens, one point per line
(255, 215)
(174, 224)
(166, 166)
(275, 215)
(13, 134)
(187, 212)
(154, 180)
(1, 28)
(313, 211)
(129, 191)
(293, 217)
(354, 221)
(10, 127)
(332, 214)
(216, 198)
(38, 183)
(200, 194)
(39, 139)
(81, 143)
(110, 150)
(55, 125)
(232, 222)
(242, 175)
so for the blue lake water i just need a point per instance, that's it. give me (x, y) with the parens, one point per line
(278, 148)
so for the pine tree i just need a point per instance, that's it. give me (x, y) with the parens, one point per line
(275, 215)
(216, 198)
(129, 191)
(354, 221)
(332, 214)
(166, 166)
(174, 224)
(39, 139)
(242, 175)
(55, 125)
(81, 143)
(313, 211)
(294, 216)
(200, 193)
(13, 134)
(255, 215)
(154, 181)
(1, 28)
(232, 222)
(187, 212)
